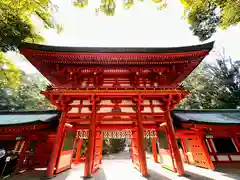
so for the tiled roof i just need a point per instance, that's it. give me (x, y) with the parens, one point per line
(226, 116)
(26, 117)
(207, 46)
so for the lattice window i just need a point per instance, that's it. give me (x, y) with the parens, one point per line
(117, 134)
(149, 133)
(82, 134)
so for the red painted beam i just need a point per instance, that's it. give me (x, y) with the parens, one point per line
(116, 126)
(109, 93)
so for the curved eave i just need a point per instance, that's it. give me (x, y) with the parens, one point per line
(58, 49)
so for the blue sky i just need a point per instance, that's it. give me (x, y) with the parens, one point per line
(140, 26)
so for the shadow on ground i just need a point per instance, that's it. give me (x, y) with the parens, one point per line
(230, 170)
(119, 167)
(193, 176)
(154, 175)
(66, 175)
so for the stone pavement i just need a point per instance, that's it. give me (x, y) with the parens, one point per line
(119, 167)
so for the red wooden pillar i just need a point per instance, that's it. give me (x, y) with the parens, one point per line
(101, 147)
(78, 153)
(171, 150)
(185, 150)
(74, 144)
(158, 142)
(154, 150)
(132, 154)
(173, 141)
(141, 148)
(91, 142)
(57, 146)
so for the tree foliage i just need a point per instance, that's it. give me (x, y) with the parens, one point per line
(9, 73)
(128, 4)
(203, 21)
(113, 145)
(26, 96)
(108, 7)
(206, 15)
(16, 26)
(80, 3)
(214, 86)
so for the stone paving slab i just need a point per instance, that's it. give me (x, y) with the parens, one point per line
(119, 167)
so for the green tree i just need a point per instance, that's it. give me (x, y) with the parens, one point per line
(16, 26)
(226, 75)
(206, 15)
(113, 145)
(108, 7)
(202, 90)
(16, 23)
(9, 73)
(203, 20)
(128, 4)
(214, 86)
(80, 3)
(26, 96)
(116, 145)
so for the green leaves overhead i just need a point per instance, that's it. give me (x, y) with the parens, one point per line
(162, 6)
(230, 13)
(157, 1)
(205, 16)
(107, 7)
(203, 21)
(80, 3)
(17, 25)
(9, 73)
(127, 4)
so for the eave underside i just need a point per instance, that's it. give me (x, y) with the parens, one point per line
(141, 67)
(114, 108)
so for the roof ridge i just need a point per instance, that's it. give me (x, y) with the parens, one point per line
(40, 47)
(29, 112)
(206, 110)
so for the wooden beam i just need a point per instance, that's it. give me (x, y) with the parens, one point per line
(163, 124)
(116, 126)
(111, 93)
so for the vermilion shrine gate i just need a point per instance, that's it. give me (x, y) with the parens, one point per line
(101, 89)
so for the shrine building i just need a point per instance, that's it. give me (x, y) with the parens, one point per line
(126, 92)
